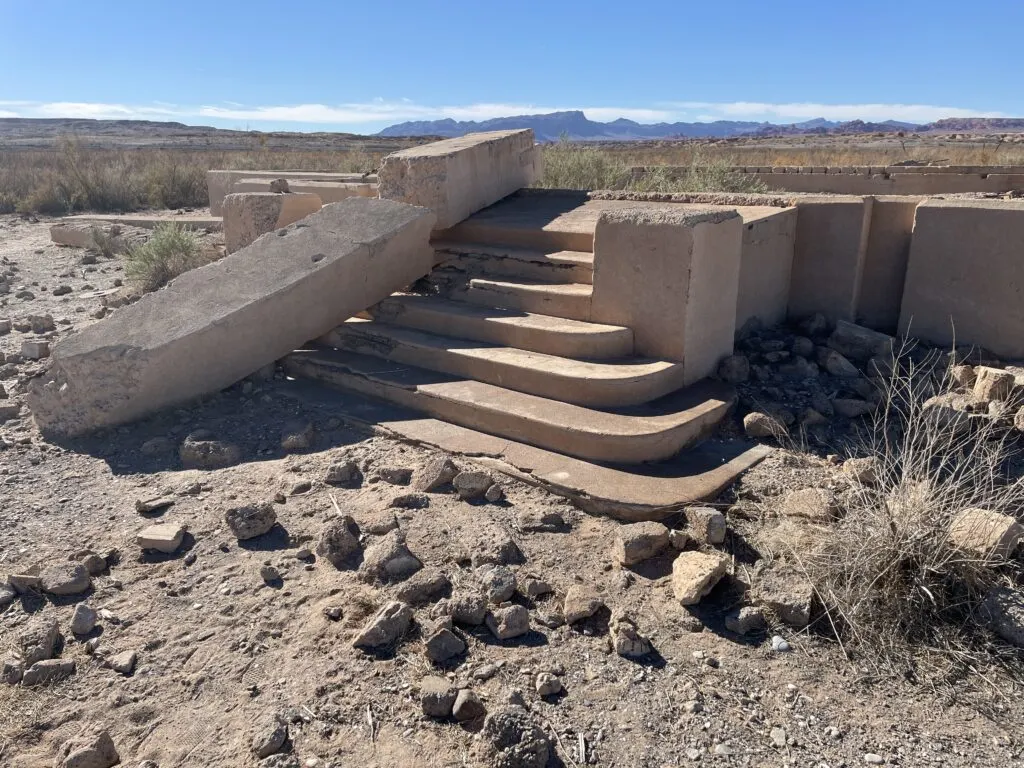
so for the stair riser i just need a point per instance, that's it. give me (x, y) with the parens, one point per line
(482, 265)
(607, 448)
(470, 231)
(580, 346)
(556, 305)
(579, 390)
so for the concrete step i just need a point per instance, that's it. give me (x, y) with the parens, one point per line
(569, 300)
(600, 384)
(508, 261)
(513, 328)
(651, 432)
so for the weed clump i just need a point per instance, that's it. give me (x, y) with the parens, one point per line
(171, 251)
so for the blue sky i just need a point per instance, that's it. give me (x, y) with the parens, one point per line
(360, 66)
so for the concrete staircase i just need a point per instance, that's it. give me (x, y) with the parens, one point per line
(499, 339)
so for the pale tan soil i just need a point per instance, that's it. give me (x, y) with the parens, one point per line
(217, 648)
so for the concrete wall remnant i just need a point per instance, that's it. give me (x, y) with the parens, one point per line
(767, 262)
(216, 324)
(457, 177)
(249, 215)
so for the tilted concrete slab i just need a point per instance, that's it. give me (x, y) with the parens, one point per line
(458, 177)
(214, 325)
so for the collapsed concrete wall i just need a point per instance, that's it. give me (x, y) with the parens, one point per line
(214, 325)
(219, 183)
(458, 177)
(672, 275)
(327, 191)
(250, 215)
(965, 277)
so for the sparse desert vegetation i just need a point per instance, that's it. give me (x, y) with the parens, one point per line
(170, 251)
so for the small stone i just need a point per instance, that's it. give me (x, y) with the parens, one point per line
(734, 369)
(987, 534)
(992, 384)
(410, 501)
(423, 587)
(94, 564)
(202, 452)
(581, 602)
(297, 435)
(83, 620)
(339, 542)
(443, 645)
(507, 622)
(388, 559)
(637, 542)
(534, 588)
(786, 592)
(123, 663)
(536, 521)
(156, 446)
(386, 627)
(802, 347)
(155, 504)
(5, 326)
(778, 737)
(270, 574)
(299, 487)
(37, 641)
(269, 735)
(515, 740)
(494, 494)
(706, 525)
(438, 472)
(497, 581)
(251, 520)
(547, 684)
(437, 696)
(472, 486)
(35, 350)
(836, 364)
(468, 706)
(759, 425)
(344, 473)
(90, 750)
(694, 574)
(334, 612)
(395, 475)
(66, 579)
(852, 408)
(779, 644)
(11, 672)
(7, 596)
(745, 620)
(627, 640)
(163, 537)
(814, 504)
(1003, 612)
(872, 759)
(467, 608)
(48, 671)
(678, 539)
(863, 470)
(41, 323)
(963, 376)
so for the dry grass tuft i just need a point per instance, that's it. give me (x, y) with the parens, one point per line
(896, 593)
(171, 251)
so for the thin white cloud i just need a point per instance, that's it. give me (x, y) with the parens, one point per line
(380, 112)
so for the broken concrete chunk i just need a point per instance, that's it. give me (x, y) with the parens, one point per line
(48, 671)
(155, 504)
(706, 524)
(437, 696)
(694, 574)
(637, 542)
(250, 215)
(581, 602)
(37, 641)
(787, 593)
(388, 625)
(164, 537)
(986, 534)
(438, 472)
(83, 620)
(268, 735)
(472, 486)
(992, 384)
(497, 582)
(215, 325)
(389, 559)
(66, 579)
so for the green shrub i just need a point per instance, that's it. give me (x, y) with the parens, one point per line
(175, 182)
(171, 250)
(573, 166)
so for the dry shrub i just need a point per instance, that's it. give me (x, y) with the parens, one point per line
(171, 251)
(705, 173)
(574, 166)
(171, 180)
(895, 592)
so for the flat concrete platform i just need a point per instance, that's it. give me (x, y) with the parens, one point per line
(151, 219)
(633, 492)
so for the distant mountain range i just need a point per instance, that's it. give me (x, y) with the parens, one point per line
(575, 125)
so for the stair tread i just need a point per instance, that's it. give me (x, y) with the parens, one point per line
(514, 252)
(681, 407)
(622, 369)
(515, 317)
(532, 286)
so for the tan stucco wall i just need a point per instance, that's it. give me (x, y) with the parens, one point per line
(885, 262)
(965, 276)
(457, 177)
(671, 273)
(767, 260)
(831, 240)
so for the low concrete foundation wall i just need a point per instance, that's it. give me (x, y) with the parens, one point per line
(458, 177)
(327, 191)
(214, 325)
(219, 184)
(249, 215)
(885, 262)
(766, 264)
(965, 277)
(671, 273)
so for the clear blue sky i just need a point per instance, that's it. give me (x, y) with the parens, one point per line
(359, 66)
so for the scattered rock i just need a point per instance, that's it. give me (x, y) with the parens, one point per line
(694, 574)
(787, 593)
(859, 343)
(270, 574)
(547, 684)
(395, 475)
(35, 349)
(678, 539)
(155, 504)
(851, 407)
(734, 369)
(91, 750)
(472, 486)
(514, 740)
(863, 470)
(41, 323)
(156, 446)
(626, 638)
(467, 608)
(389, 559)
(344, 473)
(815, 504)
(251, 520)
(378, 523)
(745, 620)
(497, 581)
(83, 620)
(297, 435)
(410, 501)
(987, 534)
(11, 672)
(438, 472)
(386, 627)
(94, 564)
(443, 645)
(837, 365)
(339, 542)
(123, 663)
(706, 524)
(201, 451)
(437, 696)
(963, 376)
(534, 588)
(581, 602)
(48, 671)
(269, 735)
(538, 521)
(757, 424)
(494, 494)
(66, 579)
(37, 640)
(780, 645)
(508, 621)
(992, 384)
(163, 537)
(423, 587)
(299, 487)
(468, 706)
(1003, 612)
(637, 542)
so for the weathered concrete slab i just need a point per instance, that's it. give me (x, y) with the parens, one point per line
(458, 177)
(250, 215)
(327, 191)
(965, 277)
(221, 183)
(82, 234)
(196, 221)
(671, 273)
(214, 325)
